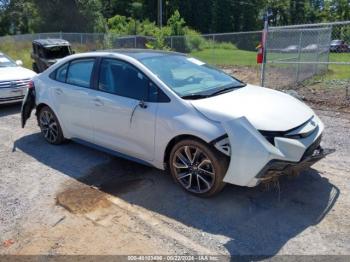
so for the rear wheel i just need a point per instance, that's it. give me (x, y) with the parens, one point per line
(198, 167)
(50, 127)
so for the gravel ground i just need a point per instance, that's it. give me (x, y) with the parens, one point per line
(71, 199)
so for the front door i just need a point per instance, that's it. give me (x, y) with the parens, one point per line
(122, 114)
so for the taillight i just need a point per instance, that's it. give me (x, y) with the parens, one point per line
(31, 85)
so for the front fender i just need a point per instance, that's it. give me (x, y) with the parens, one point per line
(250, 151)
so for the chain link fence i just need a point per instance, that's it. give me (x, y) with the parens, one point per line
(312, 60)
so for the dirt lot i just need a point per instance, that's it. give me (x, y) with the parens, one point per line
(321, 94)
(74, 200)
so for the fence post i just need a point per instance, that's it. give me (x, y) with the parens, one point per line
(299, 56)
(171, 42)
(318, 53)
(135, 42)
(328, 49)
(264, 44)
(214, 49)
(81, 38)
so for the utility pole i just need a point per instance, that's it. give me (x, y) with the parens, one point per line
(160, 13)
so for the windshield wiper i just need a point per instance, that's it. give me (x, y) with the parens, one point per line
(194, 96)
(226, 89)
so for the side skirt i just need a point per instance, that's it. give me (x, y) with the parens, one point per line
(112, 152)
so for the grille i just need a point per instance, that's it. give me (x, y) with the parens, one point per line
(15, 83)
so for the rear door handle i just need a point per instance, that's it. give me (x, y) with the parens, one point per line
(58, 91)
(98, 102)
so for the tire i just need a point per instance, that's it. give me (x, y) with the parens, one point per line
(198, 167)
(50, 126)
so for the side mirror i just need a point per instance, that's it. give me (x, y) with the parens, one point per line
(73, 52)
(19, 62)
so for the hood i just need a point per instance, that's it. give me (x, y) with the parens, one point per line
(265, 109)
(15, 73)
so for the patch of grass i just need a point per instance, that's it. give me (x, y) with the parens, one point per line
(22, 50)
(226, 57)
(17, 51)
(236, 57)
(339, 71)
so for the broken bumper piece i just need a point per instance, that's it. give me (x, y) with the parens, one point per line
(276, 168)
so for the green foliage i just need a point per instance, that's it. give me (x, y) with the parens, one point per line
(205, 16)
(176, 24)
(121, 25)
(194, 41)
(17, 50)
(159, 42)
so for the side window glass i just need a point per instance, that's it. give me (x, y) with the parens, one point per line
(153, 92)
(79, 72)
(122, 79)
(61, 73)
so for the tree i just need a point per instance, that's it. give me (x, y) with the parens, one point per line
(17, 17)
(70, 16)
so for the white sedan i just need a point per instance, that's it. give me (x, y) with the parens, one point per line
(14, 80)
(175, 112)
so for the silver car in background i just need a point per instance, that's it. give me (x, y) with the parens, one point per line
(14, 80)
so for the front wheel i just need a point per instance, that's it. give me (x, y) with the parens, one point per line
(198, 167)
(50, 127)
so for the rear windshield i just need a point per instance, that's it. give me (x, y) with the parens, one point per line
(57, 52)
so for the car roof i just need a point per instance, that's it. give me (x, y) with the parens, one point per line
(140, 54)
(51, 42)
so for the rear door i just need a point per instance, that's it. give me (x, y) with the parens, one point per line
(71, 94)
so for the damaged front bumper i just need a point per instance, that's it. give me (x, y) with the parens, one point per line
(254, 159)
(276, 168)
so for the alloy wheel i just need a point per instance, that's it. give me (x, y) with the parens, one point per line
(193, 169)
(49, 126)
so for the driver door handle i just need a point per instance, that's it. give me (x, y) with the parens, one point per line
(143, 105)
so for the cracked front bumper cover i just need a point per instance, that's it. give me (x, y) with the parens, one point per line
(252, 155)
(277, 168)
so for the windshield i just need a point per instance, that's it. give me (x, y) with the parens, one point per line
(189, 76)
(5, 61)
(57, 52)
